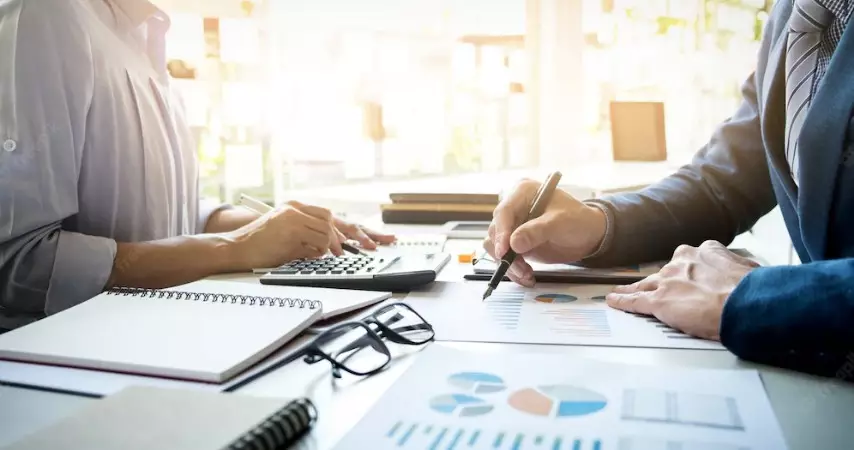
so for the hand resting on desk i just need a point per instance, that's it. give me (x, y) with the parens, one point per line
(688, 293)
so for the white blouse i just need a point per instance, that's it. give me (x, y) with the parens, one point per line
(94, 148)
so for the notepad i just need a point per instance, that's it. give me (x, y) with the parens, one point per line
(205, 331)
(140, 418)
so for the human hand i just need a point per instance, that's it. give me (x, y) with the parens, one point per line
(366, 237)
(567, 231)
(292, 231)
(688, 293)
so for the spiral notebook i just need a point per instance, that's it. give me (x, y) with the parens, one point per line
(203, 331)
(138, 418)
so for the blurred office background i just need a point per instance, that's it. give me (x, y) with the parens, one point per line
(292, 95)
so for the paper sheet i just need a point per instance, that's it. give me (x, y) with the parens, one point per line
(547, 314)
(451, 399)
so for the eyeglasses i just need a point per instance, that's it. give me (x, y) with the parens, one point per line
(358, 347)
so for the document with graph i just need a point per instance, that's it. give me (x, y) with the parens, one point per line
(452, 399)
(548, 314)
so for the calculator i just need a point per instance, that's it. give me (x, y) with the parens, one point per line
(381, 271)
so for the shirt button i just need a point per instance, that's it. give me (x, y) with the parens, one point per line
(9, 145)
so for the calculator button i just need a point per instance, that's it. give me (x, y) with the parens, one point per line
(306, 272)
(285, 272)
(337, 271)
(321, 271)
(350, 272)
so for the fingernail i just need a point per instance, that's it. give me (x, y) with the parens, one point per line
(529, 280)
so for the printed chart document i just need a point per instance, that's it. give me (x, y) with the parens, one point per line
(548, 314)
(452, 399)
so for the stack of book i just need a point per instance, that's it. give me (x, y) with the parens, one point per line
(436, 208)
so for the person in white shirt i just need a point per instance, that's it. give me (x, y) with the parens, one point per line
(98, 171)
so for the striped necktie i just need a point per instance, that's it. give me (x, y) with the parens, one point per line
(808, 21)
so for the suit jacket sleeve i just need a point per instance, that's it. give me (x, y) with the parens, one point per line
(720, 194)
(797, 317)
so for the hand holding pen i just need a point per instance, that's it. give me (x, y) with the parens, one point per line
(342, 230)
(567, 231)
(538, 206)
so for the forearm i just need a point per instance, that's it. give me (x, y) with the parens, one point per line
(225, 220)
(794, 316)
(721, 194)
(173, 261)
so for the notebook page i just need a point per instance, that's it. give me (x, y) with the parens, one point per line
(178, 338)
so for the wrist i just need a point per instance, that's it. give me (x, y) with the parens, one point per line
(599, 223)
(223, 251)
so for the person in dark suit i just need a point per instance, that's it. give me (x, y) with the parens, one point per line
(788, 144)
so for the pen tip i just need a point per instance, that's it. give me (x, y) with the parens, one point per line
(487, 293)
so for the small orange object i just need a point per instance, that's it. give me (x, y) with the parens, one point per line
(465, 258)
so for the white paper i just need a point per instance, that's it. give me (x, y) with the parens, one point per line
(451, 399)
(547, 314)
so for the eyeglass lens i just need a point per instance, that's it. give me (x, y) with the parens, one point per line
(405, 322)
(353, 347)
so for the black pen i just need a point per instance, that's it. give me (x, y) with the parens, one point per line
(541, 201)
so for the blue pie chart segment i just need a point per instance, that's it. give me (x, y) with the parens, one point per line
(574, 401)
(460, 405)
(555, 298)
(477, 382)
(557, 401)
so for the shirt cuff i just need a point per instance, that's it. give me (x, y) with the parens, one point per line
(81, 270)
(206, 208)
(609, 227)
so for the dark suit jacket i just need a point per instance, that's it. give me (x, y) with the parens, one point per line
(795, 316)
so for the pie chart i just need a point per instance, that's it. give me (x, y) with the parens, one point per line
(555, 298)
(477, 382)
(557, 401)
(460, 405)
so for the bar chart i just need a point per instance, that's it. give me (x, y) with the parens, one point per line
(681, 408)
(504, 308)
(578, 321)
(416, 435)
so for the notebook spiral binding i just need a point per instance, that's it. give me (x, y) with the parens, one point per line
(281, 429)
(216, 298)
